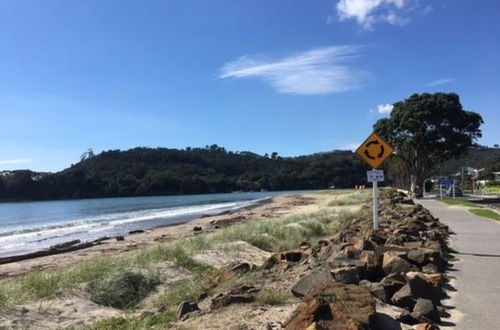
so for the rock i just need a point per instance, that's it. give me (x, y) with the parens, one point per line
(417, 287)
(346, 275)
(404, 297)
(425, 326)
(333, 306)
(185, 308)
(237, 295)
(294, 255)
(305, 245)
(242, 267)
(306, 283)
(120, 238)
(197, 228)
(395, 312)
(137, 231)
(425, 310)
(393, 283)
(272, 326)
(430, 268)
(416, 256)
(393, 263)
(375, 289)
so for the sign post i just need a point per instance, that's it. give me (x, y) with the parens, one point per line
(374, 151)
(375, 176)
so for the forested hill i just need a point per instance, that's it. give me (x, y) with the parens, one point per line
(161, 171)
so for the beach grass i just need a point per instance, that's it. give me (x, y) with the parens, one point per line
(486, 213)
(273, 297)
(271, 235)
(154, 321)
(350, 199)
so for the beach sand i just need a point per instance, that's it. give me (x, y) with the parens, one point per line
(277, 207)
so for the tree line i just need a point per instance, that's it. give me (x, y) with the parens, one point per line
(163, 171)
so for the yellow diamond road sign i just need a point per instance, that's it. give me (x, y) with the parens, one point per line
(374, 151)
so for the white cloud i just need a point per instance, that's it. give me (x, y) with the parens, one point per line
(439, 82)
(385, 109)
(15, 161)
(368, 12)
(314, 72)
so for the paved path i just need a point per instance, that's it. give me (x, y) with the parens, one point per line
(477, 300)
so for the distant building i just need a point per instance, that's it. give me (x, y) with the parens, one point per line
(497, 176)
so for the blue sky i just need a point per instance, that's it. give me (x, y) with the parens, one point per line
(291, 76)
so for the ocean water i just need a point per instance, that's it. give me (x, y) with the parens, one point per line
(32, 226)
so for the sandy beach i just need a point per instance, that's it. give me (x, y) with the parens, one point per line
(277, 207)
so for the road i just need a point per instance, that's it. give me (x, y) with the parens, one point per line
(477, 272)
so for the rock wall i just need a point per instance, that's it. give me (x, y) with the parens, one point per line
(391, 278)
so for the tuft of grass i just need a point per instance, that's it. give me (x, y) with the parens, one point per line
(279, 234)
(3, 297)
(122, 290)
(351, 199)
(459, 202)
(189, 289)
(132, 323)
(486, 213)
(273, 297)
(335, 192)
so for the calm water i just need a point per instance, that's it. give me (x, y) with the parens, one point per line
(31, 226)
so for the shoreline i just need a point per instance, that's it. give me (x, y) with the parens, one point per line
(277, 206)
(79, 244)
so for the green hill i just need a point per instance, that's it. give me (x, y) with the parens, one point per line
(162, 171)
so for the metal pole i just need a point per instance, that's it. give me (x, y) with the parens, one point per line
(441, 191)
(453, 190)
(375, 204)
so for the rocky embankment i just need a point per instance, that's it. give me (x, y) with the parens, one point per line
(391, 278)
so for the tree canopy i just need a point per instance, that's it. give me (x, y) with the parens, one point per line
(426, 130)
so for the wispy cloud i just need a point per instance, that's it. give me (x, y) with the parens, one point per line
(369, 12)
(439, 82)
(385, 109)
(318, 71)
(15, 161)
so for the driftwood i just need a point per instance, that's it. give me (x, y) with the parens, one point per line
(55, 249)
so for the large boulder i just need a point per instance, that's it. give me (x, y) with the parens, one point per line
(334, 306)
(346, 275)
(417, 287)
(389, 317)
(306, 283)
(393, 263)
(393, 283)
(375, 289)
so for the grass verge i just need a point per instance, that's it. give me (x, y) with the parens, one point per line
(459, 202)
(485, 213)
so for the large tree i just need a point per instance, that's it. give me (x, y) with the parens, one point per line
(428, 129)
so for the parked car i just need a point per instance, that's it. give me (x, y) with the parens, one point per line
(449, 191)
